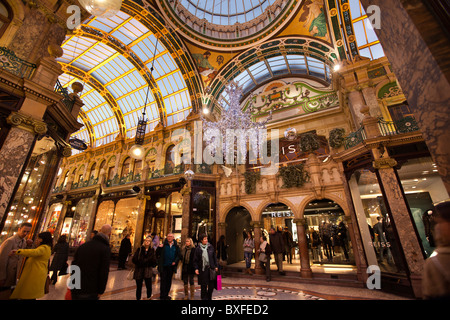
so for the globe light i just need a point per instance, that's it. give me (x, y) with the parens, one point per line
(290, 134)
(102, 8)
(137, 152)
(189, 175)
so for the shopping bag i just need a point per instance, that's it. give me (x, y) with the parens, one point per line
(219, 282)
(68, 295)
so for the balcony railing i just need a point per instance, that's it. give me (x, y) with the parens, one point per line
(67, 100)
(13, 64)
(386, 128)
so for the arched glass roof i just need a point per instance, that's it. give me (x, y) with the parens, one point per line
(223, 12)
(115, 88)
(280, 65)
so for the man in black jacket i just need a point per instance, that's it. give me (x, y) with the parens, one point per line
(277, 245)
(93, 259)
(168, 255)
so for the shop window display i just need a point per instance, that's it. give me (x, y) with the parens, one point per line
(377, 228)
(122, 217)
(202, 217)
(328, 235)
(51, 220)
(30, 193)
(80, 222)
(423, 188)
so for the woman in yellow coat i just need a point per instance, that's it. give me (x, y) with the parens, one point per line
(31, 284)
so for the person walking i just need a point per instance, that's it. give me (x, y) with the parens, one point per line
(59, 262)
(168, 255)
(222, 255)
(288, 244)
(249, 245)
(206, 267)
(10, 264)
(144, 260)
(124, 251)
(187, 268)
(436, 274)
(264, 256)
(277, 245)
(32, 281)
(93, 259)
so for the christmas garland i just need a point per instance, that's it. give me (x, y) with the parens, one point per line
(294, 176)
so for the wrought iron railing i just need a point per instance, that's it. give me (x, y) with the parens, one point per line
(355, 138)
(67, 100)
(13, 64)
(387, 128)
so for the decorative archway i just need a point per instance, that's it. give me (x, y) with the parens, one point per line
(238, 220)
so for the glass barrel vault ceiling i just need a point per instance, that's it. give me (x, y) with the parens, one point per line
(122, 79)
(223, 12)
(285, 65)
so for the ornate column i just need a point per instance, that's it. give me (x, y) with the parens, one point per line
(138, 236)
(186, 211)
(305, 266)
(257, 226)
(14, 153)
(399, 212)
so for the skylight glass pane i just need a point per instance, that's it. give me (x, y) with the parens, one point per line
(371, 36)
(377, 51)
(360, 34)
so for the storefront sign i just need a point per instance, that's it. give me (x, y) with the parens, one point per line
(278, 214)
(77, 144)
(87, 194)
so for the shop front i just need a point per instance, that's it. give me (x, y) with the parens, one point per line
(120, 210)
(387, 223)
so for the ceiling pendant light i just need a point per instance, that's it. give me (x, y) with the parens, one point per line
(102, 8)
(137, 150)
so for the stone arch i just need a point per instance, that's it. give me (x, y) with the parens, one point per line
(327, 195)
(238, 219)
(225, 210)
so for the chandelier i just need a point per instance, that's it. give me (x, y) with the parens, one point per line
(102, 8)
(235, 134)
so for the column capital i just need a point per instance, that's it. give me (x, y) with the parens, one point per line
(301, 221)
(27, 123)
(384, 163)
(257, 224)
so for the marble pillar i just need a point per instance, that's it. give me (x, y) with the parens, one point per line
(14, 153)
(305, 265)
(356, 101)
(186, 211)
(138, 235)
(257, 231)
(399, 212)
(417, 47)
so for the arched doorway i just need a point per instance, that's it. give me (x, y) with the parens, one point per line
(281, 218)
(238, 221)
(328, 235)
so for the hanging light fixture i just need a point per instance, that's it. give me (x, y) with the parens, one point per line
(102, 8)
(137, 150)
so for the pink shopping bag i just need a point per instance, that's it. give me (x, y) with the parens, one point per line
(219, 282)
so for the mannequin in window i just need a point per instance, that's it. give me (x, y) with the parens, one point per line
(384, 246)
(429, 222)
(325, 234)
(316, 244)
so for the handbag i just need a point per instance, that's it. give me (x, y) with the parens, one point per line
(130, 275)
(47, 285)
(212, 274)
(262, 257)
